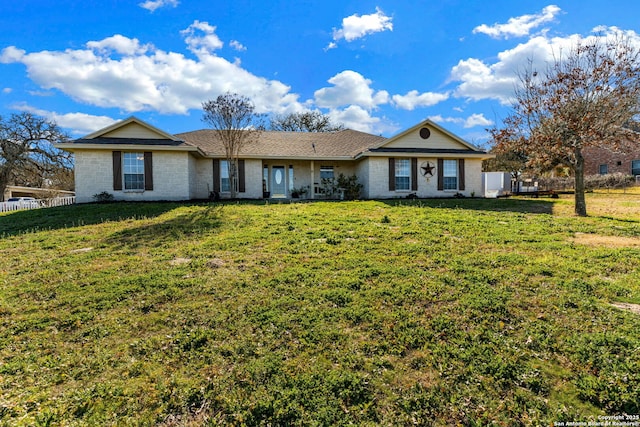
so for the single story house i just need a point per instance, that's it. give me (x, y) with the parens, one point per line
(133, 160)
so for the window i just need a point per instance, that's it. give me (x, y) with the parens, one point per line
(603, 169)
(326, 172)
(635, 167)
(290, 177)
(450, 174)
(403, 174)
(133, 165)
(265, 178)
(225, 182)
(222, 181)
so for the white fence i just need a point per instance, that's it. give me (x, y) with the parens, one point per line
(36, 204)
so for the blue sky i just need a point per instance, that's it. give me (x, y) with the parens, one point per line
(376, 66)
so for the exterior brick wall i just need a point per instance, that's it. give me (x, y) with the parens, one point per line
(181, 176)
(616, 162)
(377, 175)
(94, 174)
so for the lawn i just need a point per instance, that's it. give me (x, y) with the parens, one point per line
(426, 312)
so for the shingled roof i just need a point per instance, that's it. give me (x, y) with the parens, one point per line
(131, 141)
(308, 145)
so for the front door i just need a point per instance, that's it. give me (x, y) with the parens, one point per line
(278, 184)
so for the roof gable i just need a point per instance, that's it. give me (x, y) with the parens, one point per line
(428, 136)
(131, 128)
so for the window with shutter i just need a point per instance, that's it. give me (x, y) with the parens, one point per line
(133, 168)
(222, 177)
(450, 174)
(403, 174)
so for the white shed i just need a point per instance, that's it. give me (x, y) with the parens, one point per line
(496, 184)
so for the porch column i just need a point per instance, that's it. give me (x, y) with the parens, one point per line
(312, 187)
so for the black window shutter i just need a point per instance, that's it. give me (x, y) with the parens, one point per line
(392, 174)
(117, 170)
(461, 174)
(148, 171)
(440, 175)
(216, 175)
(241, 185)
(414, 174)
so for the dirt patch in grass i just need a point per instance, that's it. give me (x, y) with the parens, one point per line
(634, 308)
(607, 241)
(215, 263)
(77, 251)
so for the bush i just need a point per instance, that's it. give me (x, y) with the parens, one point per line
(103, 197)
(613, 180)
(348, 184)
(591, 182)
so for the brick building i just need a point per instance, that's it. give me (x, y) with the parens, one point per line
(602, 161)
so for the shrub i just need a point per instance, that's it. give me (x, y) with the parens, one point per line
(348, 184)
(103, 197)
(591, 182)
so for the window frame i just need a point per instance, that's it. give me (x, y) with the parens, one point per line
(225, 181)
(402, 172)
(605, 167)
(324, 172)
(133, 168)
(450, 179)
(635, 171)
(291, 178)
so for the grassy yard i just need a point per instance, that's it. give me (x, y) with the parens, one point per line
(443, 312)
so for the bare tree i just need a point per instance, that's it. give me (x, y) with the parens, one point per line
(235, 122)
(588, 97)
(308, 121)
(27, 154)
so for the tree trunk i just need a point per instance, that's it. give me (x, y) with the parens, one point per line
(4, 180)
(580, 202)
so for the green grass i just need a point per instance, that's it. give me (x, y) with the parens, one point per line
(438, 312)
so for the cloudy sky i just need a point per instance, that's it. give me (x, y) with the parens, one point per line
(376, 66)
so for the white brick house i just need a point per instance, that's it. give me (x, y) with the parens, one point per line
(133, 160)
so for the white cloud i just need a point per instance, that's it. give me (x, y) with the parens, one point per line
(355, 26)
(477, 120)
(350, 88)
(357, 118)
(479, 80)
(201, 44)
(152, 5)
(7, 90)
(40, 93)
(148, 78)
(519, 26)
(471, 121)
(413, 99)
(119, 44)
(330, 46)
(11, 54)
(237, 45)
(78, 123)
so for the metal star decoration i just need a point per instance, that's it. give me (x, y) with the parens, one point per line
(427, 169)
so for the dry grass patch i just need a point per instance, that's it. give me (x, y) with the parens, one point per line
(634, 308)
(619, 204)
(606, 241)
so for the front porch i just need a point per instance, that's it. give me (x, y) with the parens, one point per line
(298, 179)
